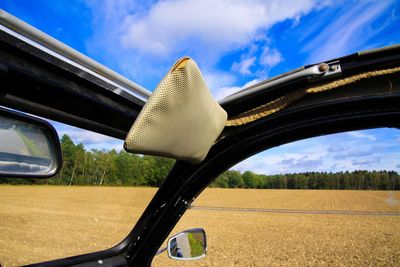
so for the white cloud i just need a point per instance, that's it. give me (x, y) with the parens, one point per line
(243, 67)
(89, 139)
(225, 91)
(360, 134)
(366, 162)
(270, 57)
(219, 26)
(84, 136)
(216, 79)
(142, 39)
(348, 32)
(336, 152)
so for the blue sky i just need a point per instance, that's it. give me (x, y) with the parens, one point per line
(236, 43)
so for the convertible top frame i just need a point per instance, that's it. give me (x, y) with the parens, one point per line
(42, 81)
(44, 77)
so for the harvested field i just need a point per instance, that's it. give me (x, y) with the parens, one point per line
(43, 222)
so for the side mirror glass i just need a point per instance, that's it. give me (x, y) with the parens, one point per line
(188, 245)
(29, 147)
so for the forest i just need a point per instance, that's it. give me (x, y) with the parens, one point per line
(101, 167)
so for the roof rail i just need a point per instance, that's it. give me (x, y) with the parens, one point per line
(45, 42)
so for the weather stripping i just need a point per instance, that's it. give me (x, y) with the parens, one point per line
(282, 102)
(379, 50)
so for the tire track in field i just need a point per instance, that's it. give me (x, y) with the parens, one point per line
(296, 211)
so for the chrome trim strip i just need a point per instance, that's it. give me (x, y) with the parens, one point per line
(314, 73)
(274, 82)
(48, 44)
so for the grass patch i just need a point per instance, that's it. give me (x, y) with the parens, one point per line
(196, 245)
(32, 147)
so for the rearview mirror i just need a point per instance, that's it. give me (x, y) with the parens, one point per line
(188, 245)
(29, 147)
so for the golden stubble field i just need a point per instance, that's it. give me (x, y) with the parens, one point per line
(40, 223)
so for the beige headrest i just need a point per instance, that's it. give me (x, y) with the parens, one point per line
(180, 120)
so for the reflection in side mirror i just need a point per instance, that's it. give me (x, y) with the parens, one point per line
(188, 245)
(29, 147)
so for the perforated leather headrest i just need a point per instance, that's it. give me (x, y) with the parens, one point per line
(181, 119)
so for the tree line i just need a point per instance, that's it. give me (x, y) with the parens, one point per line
(356, 180)
(101, 167)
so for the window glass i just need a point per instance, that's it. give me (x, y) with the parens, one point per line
(329, 200)
(90, 205)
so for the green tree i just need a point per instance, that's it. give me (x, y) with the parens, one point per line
(235, 179)
(250, 179)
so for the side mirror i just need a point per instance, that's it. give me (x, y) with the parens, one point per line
(188, 245)
(29, 147)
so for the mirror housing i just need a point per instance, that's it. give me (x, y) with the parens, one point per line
(29, 146)
(188, 245)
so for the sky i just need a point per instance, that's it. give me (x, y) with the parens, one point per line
(236, 44)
